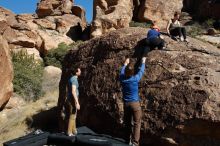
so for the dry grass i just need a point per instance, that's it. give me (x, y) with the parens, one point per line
(13, 121)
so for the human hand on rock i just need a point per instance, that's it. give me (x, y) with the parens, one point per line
(127, 61)
(144, 59)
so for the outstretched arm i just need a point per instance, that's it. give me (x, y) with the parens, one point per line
(76, 101)
(141, 71)
(168, 27)
(122, 73)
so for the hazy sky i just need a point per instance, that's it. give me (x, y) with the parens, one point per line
(29, 6)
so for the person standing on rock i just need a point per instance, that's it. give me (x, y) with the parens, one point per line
(174, 28)
(72, 102)
(132, 107)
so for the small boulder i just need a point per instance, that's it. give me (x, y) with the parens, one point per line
(211, 31)
(51, 78)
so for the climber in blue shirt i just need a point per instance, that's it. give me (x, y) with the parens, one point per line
(132, 107)
(154, 39)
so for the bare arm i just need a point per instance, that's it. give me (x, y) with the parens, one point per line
(76, 101)
(168, 27)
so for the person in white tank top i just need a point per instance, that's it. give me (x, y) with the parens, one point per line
(174, 28)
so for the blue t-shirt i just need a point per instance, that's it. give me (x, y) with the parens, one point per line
(152, 34)
(73, 81)
(130, 85)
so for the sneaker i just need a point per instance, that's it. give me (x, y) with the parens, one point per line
(71, 134)
(181, 39)
(75, 133)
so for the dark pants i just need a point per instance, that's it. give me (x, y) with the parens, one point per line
(132, 121)
(152, 44)
(178, 31)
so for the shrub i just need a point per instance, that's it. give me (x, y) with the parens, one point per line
(195, 30)
(209, 23)
(140, 24)
(55, 56)
(27, 76)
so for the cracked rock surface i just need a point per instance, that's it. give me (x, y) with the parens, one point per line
(179, 92)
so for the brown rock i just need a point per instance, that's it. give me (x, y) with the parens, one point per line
(20, 26)
(23, 41)
(44, 8)
(67, 6)
(53, 7)
(66, 22)
(80, 12)
(180, 87)
(51, 78)
(158, 10)
(6, 12)
(211, 31)
(28, 20)
(8, 16)
(45, 23)
(29, 31)
(203, 8)
(15, 102)
(6, 87)
(3, 26)
(110, 15)
(10, 34)
(33, 35)
(51, 39)
(25, 17)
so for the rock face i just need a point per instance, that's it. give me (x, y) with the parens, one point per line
(156, 10)
(54, 7)
(6, 87)
(110, 15)
(203, 8)
(41, 34)
(179, 91)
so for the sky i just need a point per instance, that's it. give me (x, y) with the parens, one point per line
(29, 6)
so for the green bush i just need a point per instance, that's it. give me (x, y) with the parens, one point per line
(27, 76)
(209, 23)
(140, 24)
(195, 30)
(55, 56)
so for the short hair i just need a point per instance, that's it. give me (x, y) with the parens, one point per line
(176, 13)
(74, 70)
(129, 71)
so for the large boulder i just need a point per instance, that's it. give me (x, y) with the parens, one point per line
(203, 8)
(179, 91)
(6, 87)
(54, 7)
(51, 78)
(110, 15)
(157, 10)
